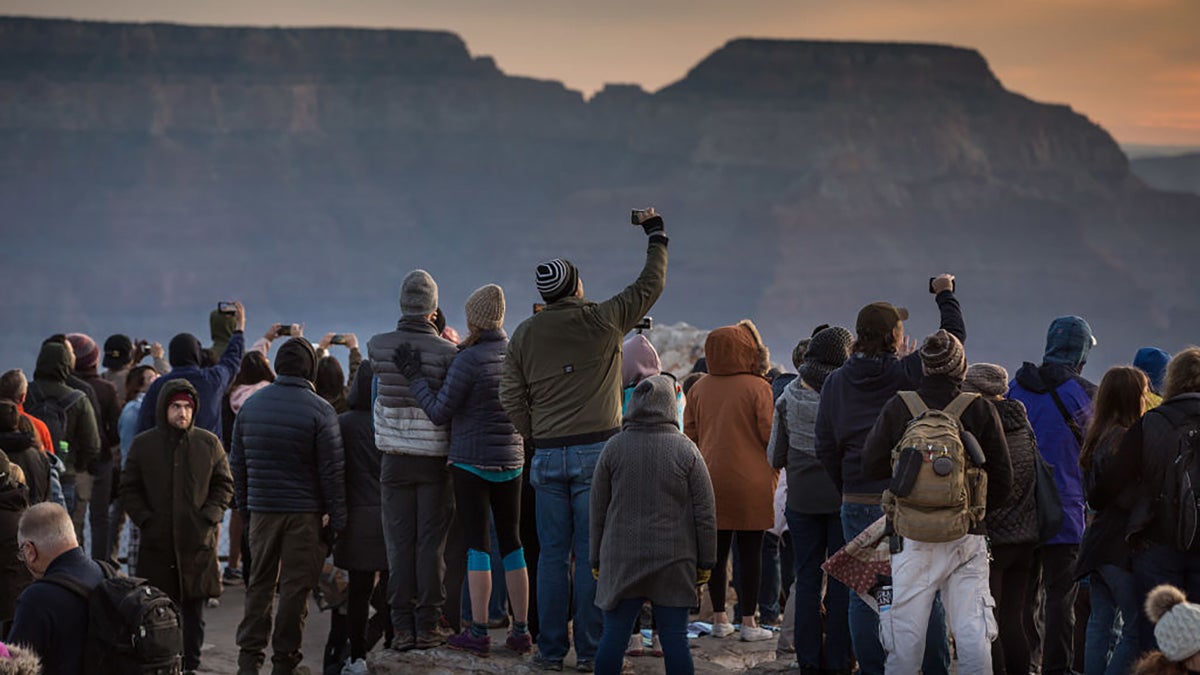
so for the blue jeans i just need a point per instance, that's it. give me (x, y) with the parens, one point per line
(672, 632)
(562, 478)
(864, 622)
(814, 539)
(769, 611)
(1112, 596)
(1161, 564)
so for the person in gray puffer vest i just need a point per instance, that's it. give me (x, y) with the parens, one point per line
(1012, 527)
(653, 532)
(414, 480)
(822, 643)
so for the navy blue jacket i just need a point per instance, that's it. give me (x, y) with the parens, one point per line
(210, 383)
(52, 619)
(1055, 440)
(852, 397)
(481, 433)
(286, 455)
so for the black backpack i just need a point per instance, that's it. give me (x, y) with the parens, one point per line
(133, 627)
(1178, 498)
(53, 411)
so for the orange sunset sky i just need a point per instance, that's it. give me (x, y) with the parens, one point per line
(1131, 65)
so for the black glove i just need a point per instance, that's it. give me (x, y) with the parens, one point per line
(408, 361)
(439, 320)
(653, 226)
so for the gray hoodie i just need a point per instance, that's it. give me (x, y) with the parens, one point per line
(810, 489)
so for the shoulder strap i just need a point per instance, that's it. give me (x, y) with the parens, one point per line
(74, 585)
(71, 399)
(1067, 417)
(914, 402)
(960, 404)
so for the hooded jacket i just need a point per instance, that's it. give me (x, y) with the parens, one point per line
(469, 401)
(652, 511)
(362, 546)
(810, 489)
(19, 448)
(287, 455)
(175, 486)
(728, 415)
(14, 576)
(980, 418)
(82, 433)
(221, 327)
(401, 426)
(852, 397)
(107, 415)
(210, 383)
(562, 378)
(1055, 440)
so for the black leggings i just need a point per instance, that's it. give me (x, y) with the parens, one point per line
(749, 543)
(474, 497)
(365, 593)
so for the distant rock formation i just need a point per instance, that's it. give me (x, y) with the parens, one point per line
(151, 170)
(1178, 173)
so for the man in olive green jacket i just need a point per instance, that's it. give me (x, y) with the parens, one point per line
(562, 389)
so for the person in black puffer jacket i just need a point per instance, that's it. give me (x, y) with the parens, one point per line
(487, 458)
(362, 551)
(1012, 527)
(288, 470)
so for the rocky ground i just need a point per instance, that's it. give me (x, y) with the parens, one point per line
(711, 655)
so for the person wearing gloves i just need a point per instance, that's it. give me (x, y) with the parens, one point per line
(561, 388)
(653, 527)
(486, 461)
(1177, 630)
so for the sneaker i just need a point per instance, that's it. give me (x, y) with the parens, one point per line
(542, 663)
(756, 634)
(720, 630)
(521, 644)
(585, 667)
(428, 639)
(355, 667)
(465, 642)
(232, 575)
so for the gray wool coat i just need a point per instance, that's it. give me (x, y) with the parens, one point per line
(653, 518)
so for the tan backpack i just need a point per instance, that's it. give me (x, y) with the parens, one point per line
(937, 491)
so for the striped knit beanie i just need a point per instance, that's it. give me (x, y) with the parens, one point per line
(557, 279)
(942, 354)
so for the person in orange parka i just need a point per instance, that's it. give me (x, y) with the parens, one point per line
(728, 415)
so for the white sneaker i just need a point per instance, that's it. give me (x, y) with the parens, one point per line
(721, 630)
(355, 667)
(755, 634)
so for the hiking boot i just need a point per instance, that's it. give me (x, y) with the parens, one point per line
(465, 642)
(403, 642)
(542, 663)
(430, 638)
(521, 644)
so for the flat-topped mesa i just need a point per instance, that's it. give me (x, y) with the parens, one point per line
(61, 50)
(819, 70)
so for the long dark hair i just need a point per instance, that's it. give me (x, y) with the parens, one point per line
(1120, 402)
(331, 381)
(134, 379)
(255, 369)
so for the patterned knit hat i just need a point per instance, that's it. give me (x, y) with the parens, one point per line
(826, 352)
(418, 294)
(557, 279)
(87, 354)
(942, 354)
(988, 379)
(1177, 622)
(485, 307)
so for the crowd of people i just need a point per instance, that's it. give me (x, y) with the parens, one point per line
(558, 483)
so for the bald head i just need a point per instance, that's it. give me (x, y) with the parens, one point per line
(13, 386)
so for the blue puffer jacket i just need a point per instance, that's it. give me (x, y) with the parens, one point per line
(287, 455)
(1055, 440)
(480, 431)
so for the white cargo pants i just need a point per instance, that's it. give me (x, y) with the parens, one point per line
(959, 569)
